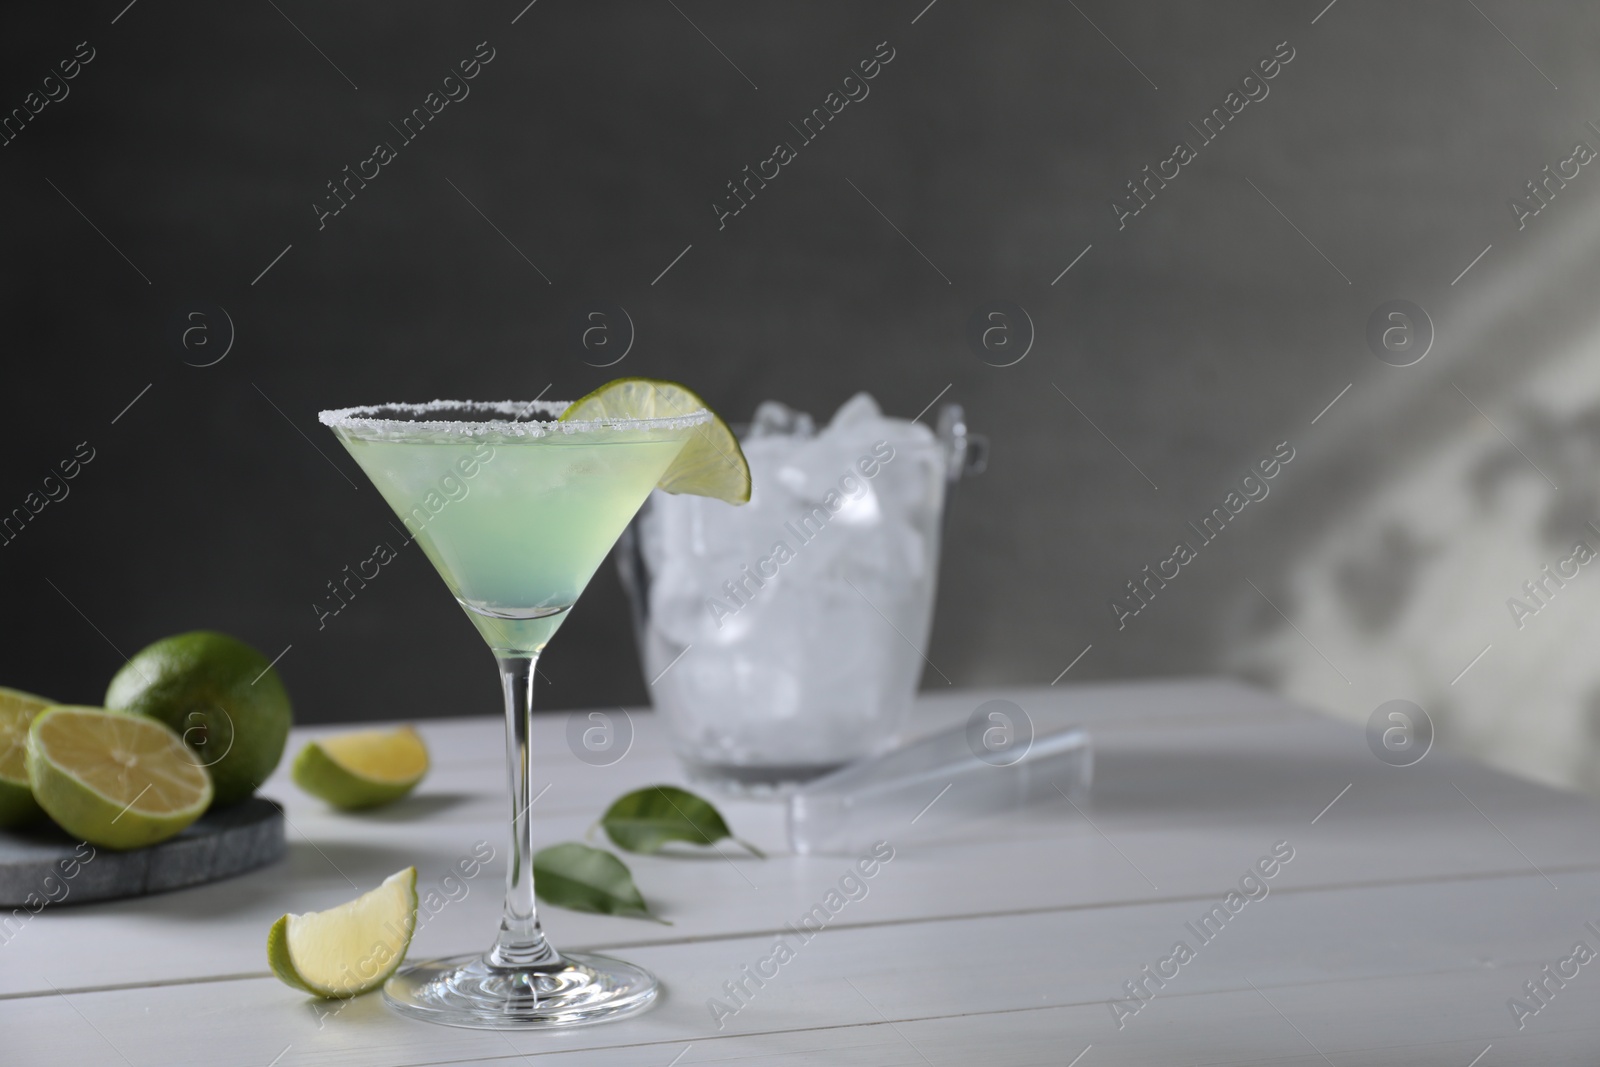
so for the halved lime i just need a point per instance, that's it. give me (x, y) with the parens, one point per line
(350, 949)
(118, 781)
(17, 712)
(711, 464)
(362, 769)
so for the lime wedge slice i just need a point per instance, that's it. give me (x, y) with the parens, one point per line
(351, 949)
(17, 712)
(711, 464)
(362, 769)
(118, 781)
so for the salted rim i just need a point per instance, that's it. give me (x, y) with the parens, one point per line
(368, 419)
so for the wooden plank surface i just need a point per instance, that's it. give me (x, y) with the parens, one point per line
(1448, 882)
(1376, 970)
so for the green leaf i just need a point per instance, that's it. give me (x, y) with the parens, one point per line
(570, 875)
(646, 819)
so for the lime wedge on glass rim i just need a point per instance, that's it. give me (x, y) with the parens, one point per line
(114, 780)
(711, 464)
(17, 712)
(350, 949)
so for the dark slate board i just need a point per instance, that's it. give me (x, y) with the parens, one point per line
(52, 866)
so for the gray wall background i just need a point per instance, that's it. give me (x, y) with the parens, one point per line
(1220, 321)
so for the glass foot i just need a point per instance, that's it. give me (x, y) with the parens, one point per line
(467, 991)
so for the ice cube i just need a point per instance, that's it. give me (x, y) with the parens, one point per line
(773, 419)
(681, 597)
(860, 408)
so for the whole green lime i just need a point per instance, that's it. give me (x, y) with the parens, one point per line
(221, 696)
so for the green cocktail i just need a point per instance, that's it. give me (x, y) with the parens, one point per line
(517, 527)
(516, 515)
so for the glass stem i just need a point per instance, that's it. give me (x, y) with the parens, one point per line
(521, 943)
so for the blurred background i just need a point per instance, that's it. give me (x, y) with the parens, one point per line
(184, 170)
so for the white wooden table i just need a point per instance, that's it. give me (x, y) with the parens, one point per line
(1414, 908)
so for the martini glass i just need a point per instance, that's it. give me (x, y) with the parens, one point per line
(515, 510)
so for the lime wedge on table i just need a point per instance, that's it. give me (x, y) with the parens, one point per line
(119, 781)
(17, 711)
(711, 464)
(362, 769)
(350, 949)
